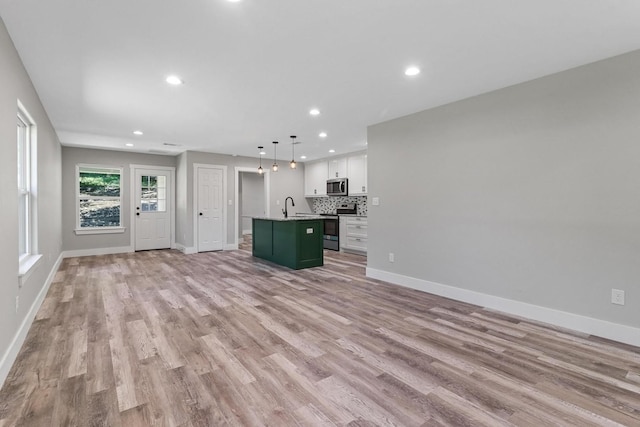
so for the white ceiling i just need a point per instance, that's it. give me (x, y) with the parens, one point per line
(253, 69)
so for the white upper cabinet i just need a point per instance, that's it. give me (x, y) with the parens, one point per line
(357, 173)
(315, 179)
(338, 168)
(353, 167)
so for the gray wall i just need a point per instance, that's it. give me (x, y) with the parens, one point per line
(16, 85)
(285, 182)
(531, 193)
(182, 198)
(70, 158)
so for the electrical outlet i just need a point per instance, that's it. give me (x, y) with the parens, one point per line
(617, 296)
(392, 257)
(375, 201)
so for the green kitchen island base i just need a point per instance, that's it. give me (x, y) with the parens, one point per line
(294, 242)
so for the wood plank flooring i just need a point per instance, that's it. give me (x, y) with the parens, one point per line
(223, 339)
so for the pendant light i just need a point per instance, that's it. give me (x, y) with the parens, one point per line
(275, 162)
(260, 170)
(293, 156)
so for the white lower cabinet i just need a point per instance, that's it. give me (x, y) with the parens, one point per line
(353, 234)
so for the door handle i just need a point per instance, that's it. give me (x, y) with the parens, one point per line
(138, 213)
(200, 213)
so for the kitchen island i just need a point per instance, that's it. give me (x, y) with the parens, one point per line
(294, 242)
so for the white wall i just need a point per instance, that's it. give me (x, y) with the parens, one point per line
(526, 199)
(15, 85)
(72, 156)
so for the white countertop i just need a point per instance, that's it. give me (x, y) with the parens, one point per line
(291, 218)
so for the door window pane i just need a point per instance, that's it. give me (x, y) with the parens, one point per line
(153, 193)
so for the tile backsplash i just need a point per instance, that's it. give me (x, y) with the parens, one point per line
(329, 204)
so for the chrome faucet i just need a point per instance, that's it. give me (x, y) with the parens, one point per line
(284, 211)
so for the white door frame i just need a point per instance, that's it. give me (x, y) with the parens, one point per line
(197, 166)
(132, 200)
(267, 195)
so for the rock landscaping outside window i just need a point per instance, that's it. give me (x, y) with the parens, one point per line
(99, 197)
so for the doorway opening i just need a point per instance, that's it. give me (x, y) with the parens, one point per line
(252, 199)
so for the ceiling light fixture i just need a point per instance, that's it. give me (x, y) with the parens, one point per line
(129, 144)
(332, 151)
(260, 170)
(138, 132)
(292, 164)
(275, 162)
(314, 112)
(412, 71)
(322, 135)
(174, 80)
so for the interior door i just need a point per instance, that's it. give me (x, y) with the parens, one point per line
(153, 213)
(210, 212)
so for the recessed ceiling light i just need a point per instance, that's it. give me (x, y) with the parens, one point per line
(129, 145)
(412, 71)
(174, 80)
(314, 112)
(138, 132)
(332, 151)
(233, 1)
(303, 157)
(322, 135)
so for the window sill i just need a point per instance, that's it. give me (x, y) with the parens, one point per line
(102, 230)
(27, 266)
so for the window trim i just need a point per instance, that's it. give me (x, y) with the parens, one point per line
(28, 261)
(98, 230)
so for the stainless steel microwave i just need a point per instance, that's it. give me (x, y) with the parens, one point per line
(338, 187)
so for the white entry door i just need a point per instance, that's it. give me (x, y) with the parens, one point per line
(210, 209)
(152, 209)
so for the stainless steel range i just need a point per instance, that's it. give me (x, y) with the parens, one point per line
(332, 225)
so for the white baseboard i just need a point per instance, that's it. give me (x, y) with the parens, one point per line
(97, 251)
(9, 357)
(186, 250)
(193, 250)
(601, 328)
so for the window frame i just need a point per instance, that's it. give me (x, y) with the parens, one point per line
(84, 167)
(26, 164)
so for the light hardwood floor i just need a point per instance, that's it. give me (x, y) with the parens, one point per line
(215, 339)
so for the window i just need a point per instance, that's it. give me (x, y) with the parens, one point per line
(153, 193)
(24, 189)
(99, 199)
(27, 194)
